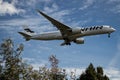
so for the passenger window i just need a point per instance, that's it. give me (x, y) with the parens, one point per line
(93, 28)
(82, 29)
(101, 27)
(97, 28)
(86, 29)
(90, 28)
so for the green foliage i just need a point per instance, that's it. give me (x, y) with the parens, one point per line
(55, 72)
(93, 74)
(10, 60)
(12, 67)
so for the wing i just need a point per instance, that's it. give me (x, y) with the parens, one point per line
(64, 29)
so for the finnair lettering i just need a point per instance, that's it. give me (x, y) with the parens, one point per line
(92, 28)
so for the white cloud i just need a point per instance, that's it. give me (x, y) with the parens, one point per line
(111, 1)
(22, 21)
(115, 8)
(60, 15)
(76, 71)
(9, 8)
(113, 74)
(53, 8)
(46, 1)
(82, 22)
(37, 23)
(36, 64)
(33, 3)
(87, 4)
(26, 59)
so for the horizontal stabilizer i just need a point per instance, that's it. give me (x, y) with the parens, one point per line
(28, 30)
(26, 36)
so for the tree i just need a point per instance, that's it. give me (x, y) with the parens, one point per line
(93, 74)
(89, 74)
(54, 64)
(12, 67)
(10, 60)
(100, 74)
(56, 73)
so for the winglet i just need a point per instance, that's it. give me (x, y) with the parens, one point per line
(43, 14)
(39, 11)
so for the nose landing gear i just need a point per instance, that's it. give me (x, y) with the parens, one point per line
(108, 35)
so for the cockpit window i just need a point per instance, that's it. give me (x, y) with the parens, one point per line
(110, 27)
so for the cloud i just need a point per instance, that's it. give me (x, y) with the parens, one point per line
(87, 4)
(28, 59)
(32, 3)
(36, 64)
(21, 21)
(37, 23)
(77, 71)
(113, 74)
(53, 8)
(30, 20)
(60, 15)
(9, 8)
(111, 1)
(115, 8)
(81, 22)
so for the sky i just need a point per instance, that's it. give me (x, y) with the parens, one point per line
(99, 50)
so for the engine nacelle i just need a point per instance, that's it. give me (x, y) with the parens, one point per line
(76, 30)
(79, 41)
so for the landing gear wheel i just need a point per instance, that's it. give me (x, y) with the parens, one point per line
(68, 43)
(108, 35)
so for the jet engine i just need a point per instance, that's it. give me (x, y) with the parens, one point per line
(79, 41)
(76, 30)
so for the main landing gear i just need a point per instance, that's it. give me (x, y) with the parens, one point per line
(66, 42)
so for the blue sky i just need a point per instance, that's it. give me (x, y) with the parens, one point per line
(100, 50)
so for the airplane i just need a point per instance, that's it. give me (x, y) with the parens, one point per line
(65, 32)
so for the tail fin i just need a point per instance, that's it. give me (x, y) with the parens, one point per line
(25, 35)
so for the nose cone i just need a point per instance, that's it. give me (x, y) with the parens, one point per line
(113, 30)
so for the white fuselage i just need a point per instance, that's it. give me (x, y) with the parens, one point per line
(77, 32)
